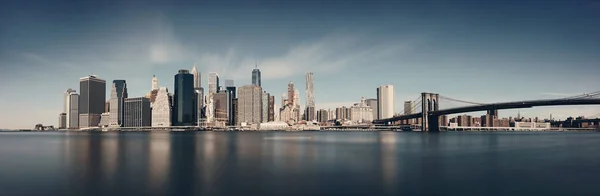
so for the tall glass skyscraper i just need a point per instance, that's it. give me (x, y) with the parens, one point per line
(256, 77)
(184, 99)
(92, 99)
(117, 97)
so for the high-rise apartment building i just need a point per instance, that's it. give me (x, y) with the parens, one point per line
(118, 94)
(91, 100)
(137, 112)
(385, 101)
(256, 77)
(184, 100)
(322, 116)
(309, 112)
(249, 104)
(161, 109)
(213, 82)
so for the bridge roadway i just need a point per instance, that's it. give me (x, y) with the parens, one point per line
(494, 106)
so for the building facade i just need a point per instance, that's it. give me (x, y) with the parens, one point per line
(322, 116)
(231, 96)
(117, 98)
(137, 112)
(249, 104)
(271, 108)
(221, 109)
(385, 101)
(183, 112)
(161, 109)
(91, 100)
(361, 113)
(62, 121)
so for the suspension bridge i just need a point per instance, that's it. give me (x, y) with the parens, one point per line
(426, 108)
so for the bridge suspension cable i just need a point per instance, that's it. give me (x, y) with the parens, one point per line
(460, 101)
(585, 95)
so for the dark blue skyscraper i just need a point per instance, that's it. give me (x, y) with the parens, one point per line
(117, 98)
(184, 99)
(256, 77)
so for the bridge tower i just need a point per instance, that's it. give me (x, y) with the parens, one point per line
(429, 102)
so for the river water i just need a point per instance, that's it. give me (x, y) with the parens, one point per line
(299, 163)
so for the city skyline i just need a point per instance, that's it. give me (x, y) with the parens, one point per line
(527, 55)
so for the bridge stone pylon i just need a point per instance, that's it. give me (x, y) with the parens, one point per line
(429, 102)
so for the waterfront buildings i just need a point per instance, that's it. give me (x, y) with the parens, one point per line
(62, 121)
(361, 113)
(256, 77)
(249, 104)
(137, 112)
(104, 119)
(373, 104)
(91, 100)
(322, 116)
(343, 113)
(183, 100)
(309, 112)
(72, 109)
(385, 101)
(117, 97)
(161, 109)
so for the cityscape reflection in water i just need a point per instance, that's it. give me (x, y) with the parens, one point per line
(298, 163)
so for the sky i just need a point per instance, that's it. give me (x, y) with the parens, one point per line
(481, 51)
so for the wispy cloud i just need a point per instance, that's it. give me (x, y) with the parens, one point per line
(329, 54)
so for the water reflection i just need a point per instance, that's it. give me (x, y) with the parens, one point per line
(303, 163)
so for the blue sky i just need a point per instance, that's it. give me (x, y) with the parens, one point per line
(483, 51)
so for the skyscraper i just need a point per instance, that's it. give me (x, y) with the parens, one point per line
(221, 107)
(256, 76)
(91, 100)
(137, 112)
(154, 82)
(271, 109)
(67, 95)
(183, 100)
(231, 95)
(249, 104)
(117, 97)
(309, 113)
(199, 103)
(385, 101)
(72, 110)
(161, 110)
(62, 121)
(197, 77)
(265, 107)
(213, 82)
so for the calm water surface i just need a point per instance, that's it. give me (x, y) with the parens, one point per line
(300, 163)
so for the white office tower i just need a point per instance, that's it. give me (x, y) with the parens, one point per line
(67, 94)
(385, 101)
(154, 83)
(161, 112)
(72, 110)
(210, 109)
(213, 82)
(197, 77)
